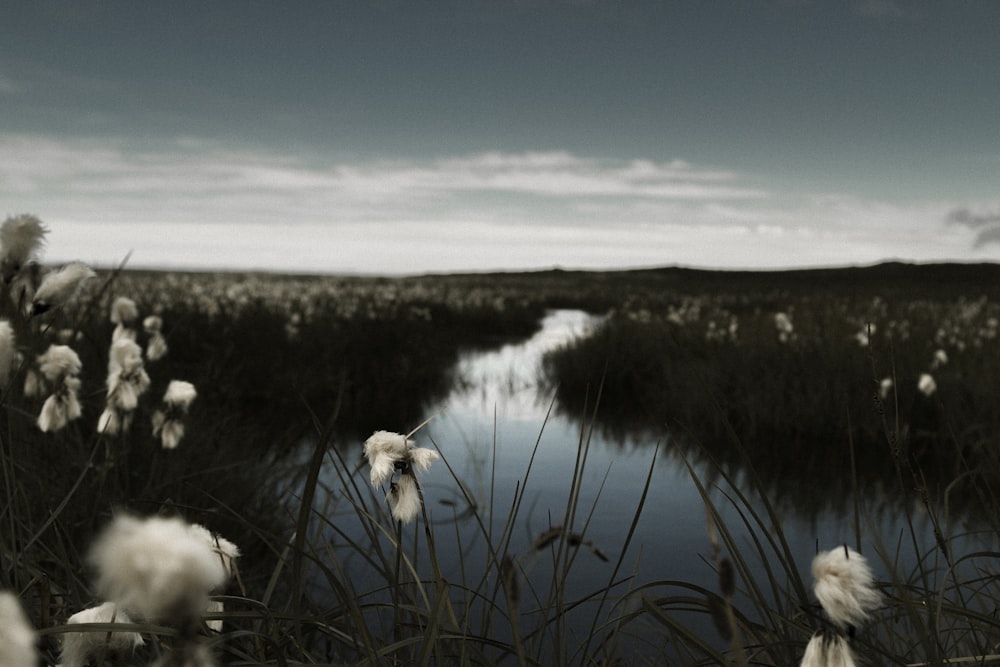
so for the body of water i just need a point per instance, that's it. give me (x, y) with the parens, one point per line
(501, 435)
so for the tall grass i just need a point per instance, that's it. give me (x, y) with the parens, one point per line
(289, 372)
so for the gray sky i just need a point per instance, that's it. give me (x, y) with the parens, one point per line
(402, 137)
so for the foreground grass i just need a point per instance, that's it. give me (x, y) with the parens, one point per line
(322, 355)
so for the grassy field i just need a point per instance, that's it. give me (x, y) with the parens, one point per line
(774, 379)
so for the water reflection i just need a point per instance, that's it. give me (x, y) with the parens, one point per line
(508, 379)
(499, 435)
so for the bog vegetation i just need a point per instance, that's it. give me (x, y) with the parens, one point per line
(162, 436)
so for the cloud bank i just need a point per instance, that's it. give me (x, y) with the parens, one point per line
(199, 204)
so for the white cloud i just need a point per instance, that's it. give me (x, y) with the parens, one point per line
(198, 204)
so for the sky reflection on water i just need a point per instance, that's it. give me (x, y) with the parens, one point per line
(487, 430)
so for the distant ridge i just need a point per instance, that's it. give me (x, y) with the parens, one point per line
(889, 276)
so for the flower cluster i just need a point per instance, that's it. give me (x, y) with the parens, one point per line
(127, 381)
(388, 453)
(845, 587)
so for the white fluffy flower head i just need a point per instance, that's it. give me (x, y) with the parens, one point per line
(386, 451)
(126, 356)
(60, 287)
(926, 384)
(844, 586)
(58, 362)
(179, 394)
(124, 311)
(827, 650)
(21, 237)
(152, 324)
(157, 568)
(17, 637)
(226, 551)
(404, 499)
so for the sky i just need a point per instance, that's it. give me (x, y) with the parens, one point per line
(403, 137)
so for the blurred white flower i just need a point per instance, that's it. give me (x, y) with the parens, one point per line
(17, 637)
(167, 420)
(156, 568)
(884, 387)
(60, 287)
(58, 362)
(124, 313)
(215, 607)
(61, 407)
(926, 384)
(156, 348)
(127, 381)
(828, 650)
(940, 359)
(79, 647)
(61, 366)
(226, 551)
(21, 237)
(783, 323)
(844, 586)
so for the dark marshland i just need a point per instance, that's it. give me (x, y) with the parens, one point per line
(634, 466)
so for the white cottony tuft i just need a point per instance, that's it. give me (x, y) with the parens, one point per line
(926, 384)
(884, 387)
(844, 586)
(404, 499)
(61, 407)
(382, 450)
(167, 422)
(156, 348)
(828, 650)
(152, 324)
(79, 647)
(60, 366)
(422, 458)
(21, 237)
(157, 568)
(127, 381)
(124, 311)
(389, 452)
(226, 551)
(17, 637)
(60, 287)
(59, 361)
(179, 394)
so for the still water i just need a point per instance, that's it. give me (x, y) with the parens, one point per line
(500, 414)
